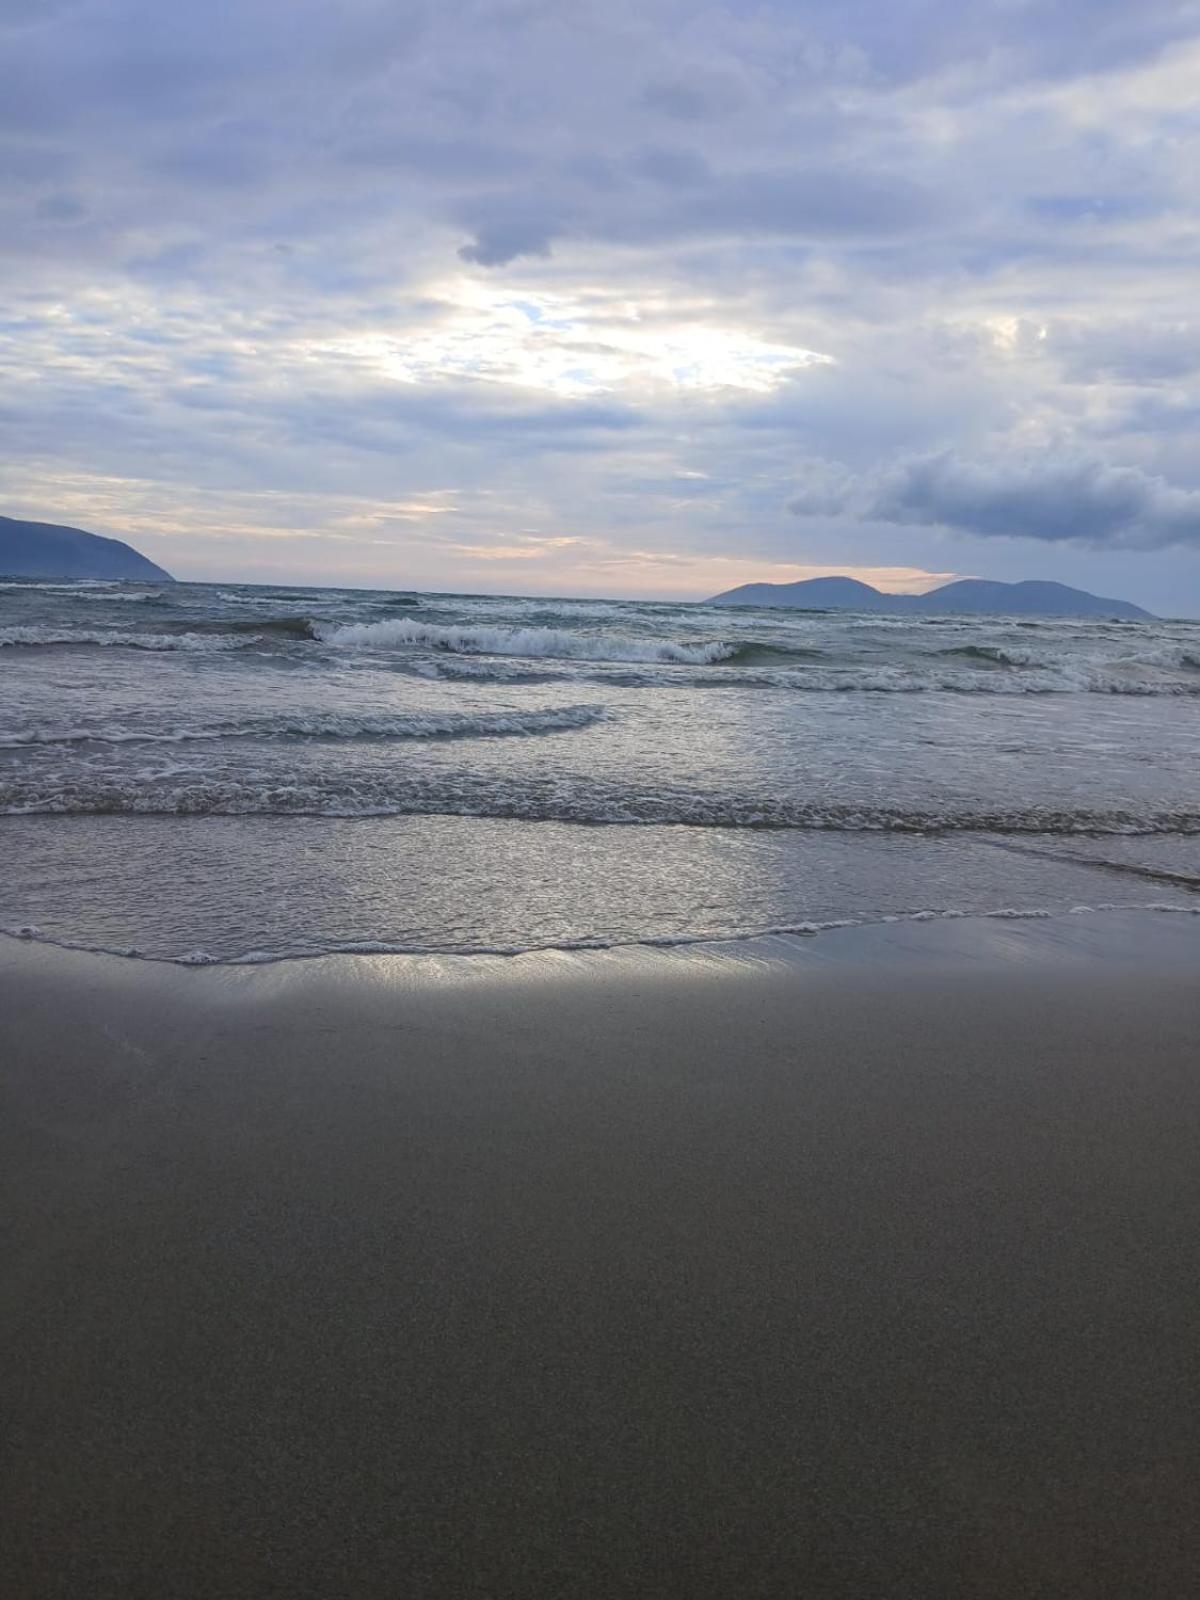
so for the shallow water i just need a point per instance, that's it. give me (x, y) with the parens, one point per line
(236, 771)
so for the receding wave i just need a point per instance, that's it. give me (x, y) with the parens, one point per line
(557, 643)
(334, 725)
(29, 932)
(191, 792)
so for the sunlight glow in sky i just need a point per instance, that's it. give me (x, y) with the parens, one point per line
(583, 346)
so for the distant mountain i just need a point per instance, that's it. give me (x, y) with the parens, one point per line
(814, 594)
(967, 595)
(1029, 598)
(46, 550)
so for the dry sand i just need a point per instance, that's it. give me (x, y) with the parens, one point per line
(867, 1267)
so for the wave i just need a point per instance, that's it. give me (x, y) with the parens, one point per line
(505, 655)
(58, 638)
(72, 586)
(561, 644)
(992, 654)
(800, 672)
(532, 654)
(758, 654)
(260, 595)
(184, 791)
(96, 592)
(1169, 656)
(289, 627)
(467, 669)
(335, 725)
(907, 679)
(529, 642)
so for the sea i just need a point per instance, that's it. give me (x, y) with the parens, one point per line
(235, 773)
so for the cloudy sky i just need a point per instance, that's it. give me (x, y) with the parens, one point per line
(607, 296)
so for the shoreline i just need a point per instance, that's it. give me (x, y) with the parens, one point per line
(781, 938)
(853, 1266)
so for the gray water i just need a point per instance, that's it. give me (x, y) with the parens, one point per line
(231, 771)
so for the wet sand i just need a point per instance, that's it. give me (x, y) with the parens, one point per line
(858, 1266)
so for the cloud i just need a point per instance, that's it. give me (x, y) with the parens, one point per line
(609, 269)
(507, 239)
(1080, 501)
(696, 99)
(817, 204)
(1127, 351)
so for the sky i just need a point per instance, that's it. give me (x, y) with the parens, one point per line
(599, 297)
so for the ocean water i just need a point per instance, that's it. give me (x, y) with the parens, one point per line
(228, 772)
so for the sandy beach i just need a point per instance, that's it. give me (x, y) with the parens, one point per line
(858, 1266)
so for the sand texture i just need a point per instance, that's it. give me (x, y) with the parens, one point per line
(864, 1269)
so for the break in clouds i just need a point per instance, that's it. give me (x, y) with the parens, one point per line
(617, 298)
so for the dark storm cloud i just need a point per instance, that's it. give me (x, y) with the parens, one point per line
(1082, 501)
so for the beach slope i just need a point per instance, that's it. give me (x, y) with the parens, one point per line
(860, 1266)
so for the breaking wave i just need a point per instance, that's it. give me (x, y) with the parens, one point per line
(557, 643)
(532, 654)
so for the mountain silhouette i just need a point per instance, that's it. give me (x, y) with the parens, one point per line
(1029, 598)
(48, 550)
